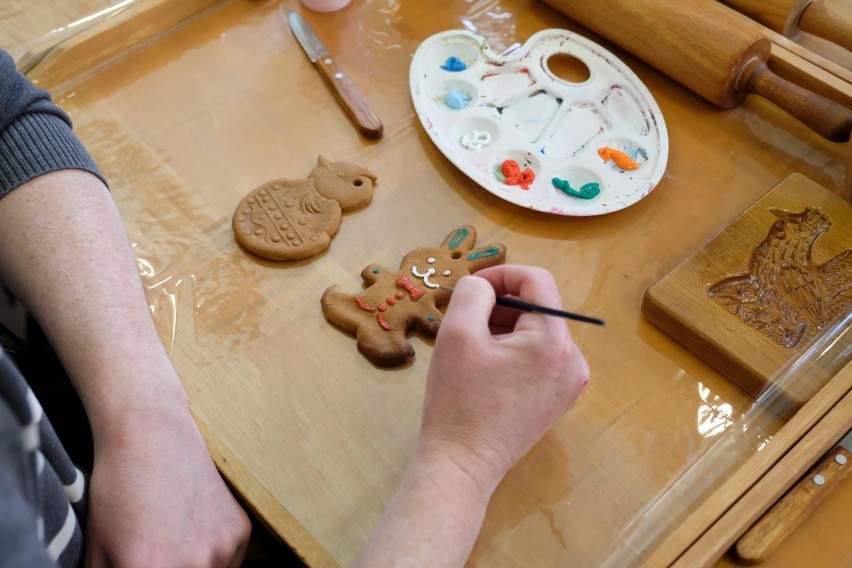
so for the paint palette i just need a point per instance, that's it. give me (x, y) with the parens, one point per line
(535, 139)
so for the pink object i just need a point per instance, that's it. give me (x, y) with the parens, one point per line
(325, 5)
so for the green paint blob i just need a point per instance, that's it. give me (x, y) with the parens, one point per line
(459, 238)
(484, 253)
(588, 191)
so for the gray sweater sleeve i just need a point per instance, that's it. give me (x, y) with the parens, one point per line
(35, 134)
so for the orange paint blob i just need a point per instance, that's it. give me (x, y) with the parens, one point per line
(621, 159)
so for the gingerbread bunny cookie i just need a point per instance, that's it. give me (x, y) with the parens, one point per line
(395, 301)
(289, 219)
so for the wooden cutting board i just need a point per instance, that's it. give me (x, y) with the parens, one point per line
(755, 295)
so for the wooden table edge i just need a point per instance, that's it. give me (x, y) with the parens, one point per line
(273, 514)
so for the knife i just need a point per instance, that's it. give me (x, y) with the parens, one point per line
(347, 94)
(794, 507)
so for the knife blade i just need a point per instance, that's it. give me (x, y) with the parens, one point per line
(795, 506)
(347, 94)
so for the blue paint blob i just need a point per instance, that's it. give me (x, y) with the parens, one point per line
(457, 99)
(454, 64)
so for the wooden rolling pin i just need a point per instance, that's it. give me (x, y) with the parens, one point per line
(703, 45)
(849, 171)
(831, 22)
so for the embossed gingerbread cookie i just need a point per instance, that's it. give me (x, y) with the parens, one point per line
(396, 301)
(289, 219)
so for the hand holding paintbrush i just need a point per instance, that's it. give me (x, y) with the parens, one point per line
(518, 304)
(491, 394)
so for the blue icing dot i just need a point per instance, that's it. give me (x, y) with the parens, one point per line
(457, 99)
(376, 271)
(454, 64)
(431, 318)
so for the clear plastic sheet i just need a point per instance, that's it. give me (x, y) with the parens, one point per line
(751, 432)
(296, 418)
(31, 29)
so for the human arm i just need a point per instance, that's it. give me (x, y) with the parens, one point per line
(497, 381)
(155, 498)
(154, 488)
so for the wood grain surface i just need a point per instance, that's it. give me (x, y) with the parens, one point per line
(833, 23)
(681, 304)
(788, 513)
(829, 20)
(313, 436)
(781, 16)
(23, 22)
(697, 43)
(707, 48)
(724, 532)
(713, 526)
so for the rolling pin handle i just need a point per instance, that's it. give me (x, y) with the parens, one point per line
(825, 117)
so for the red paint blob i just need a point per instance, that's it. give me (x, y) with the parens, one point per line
(515, 176)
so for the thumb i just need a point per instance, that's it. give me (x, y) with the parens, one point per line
(471, 304)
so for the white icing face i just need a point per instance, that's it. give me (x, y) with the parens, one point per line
(441, 268)
(425, 276)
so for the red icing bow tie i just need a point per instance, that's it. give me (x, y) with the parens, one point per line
(414, 291)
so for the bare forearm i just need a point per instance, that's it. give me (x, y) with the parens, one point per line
(434, 518)
(489, 398)
(66, 257)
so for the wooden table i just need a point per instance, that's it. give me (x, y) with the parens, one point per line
(305, 429)
(22, 23)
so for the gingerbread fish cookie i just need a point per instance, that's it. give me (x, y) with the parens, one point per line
(395, 301)
(289, 219)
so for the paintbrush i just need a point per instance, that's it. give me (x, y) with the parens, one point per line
(535, 308)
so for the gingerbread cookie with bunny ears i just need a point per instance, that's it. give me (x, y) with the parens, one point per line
(395, 301)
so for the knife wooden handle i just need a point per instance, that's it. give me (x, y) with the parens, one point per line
(350, 98)
(827, 118)
(794, 507)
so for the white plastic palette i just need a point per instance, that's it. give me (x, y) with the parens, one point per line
(542, 122)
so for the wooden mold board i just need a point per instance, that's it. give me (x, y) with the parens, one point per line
(780, 296)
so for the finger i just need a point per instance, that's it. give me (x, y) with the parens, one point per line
(504, 318)
(239, 555)
(470, 305)
(531, 284)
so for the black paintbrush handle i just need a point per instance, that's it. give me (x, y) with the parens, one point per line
(521, 305)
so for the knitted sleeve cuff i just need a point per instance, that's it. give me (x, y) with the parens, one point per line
(36, 144)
